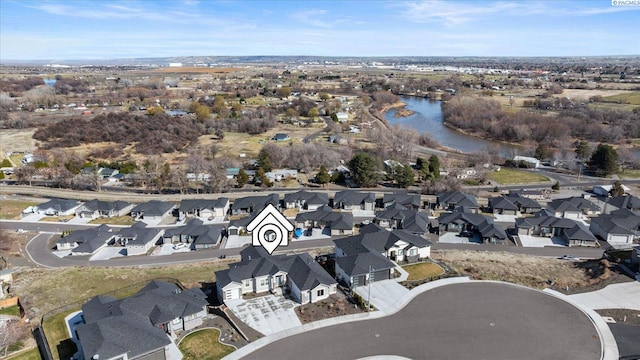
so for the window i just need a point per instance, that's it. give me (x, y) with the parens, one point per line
(176, 321)
(413, 252)
(400, 251)
(247, 283)
(320, 292)
(264, 282)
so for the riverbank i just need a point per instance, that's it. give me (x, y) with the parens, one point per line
(467, 133)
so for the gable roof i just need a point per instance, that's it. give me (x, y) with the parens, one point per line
(359, 264)
(403, 198)
(255, 203)
(334, 219)
(189, 205)
(621, 222)
(195, 228)
(572, 204)
(99, 205)
(61, 205)
(625, 202)
(485, 225)
(350, 198)
(457, 199)
(89, 240)
(131, 325)
(311, 198)
(378, 242)
(153, 208)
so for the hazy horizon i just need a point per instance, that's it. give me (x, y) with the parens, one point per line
(112, 30)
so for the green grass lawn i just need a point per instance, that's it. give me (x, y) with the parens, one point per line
(61, 345)
(421, 271)
(632, 98)
(511, 176)
(11, 310)
(32, 354)
(116, 220)
(11, 209)
(629, 174)
(204, 345)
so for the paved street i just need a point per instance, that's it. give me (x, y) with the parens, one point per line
(467, 320)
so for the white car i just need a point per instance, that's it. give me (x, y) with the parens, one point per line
(569, 257)
(179, 246)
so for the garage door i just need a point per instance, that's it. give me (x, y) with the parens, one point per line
(381, 275)
(231, 294)
(358, 280)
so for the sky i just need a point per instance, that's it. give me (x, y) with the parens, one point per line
(101, 29)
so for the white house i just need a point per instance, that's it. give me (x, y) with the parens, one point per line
(533, 162)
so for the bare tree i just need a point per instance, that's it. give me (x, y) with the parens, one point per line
(11, 332)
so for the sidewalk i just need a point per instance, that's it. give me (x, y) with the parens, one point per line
(616, 296)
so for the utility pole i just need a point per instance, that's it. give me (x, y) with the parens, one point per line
(369, 296)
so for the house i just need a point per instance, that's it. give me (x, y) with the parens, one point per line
(332, 223)
(205, 209)
(281, 174)
(239, 226)
(544, 224)
(349, 200)
(280, 137)
(460, 221)
(342, 117)
(628, 202)
(97, 208)
(513, 205)
(250, 204)
(396, 245)
(603, 190)
(138, 238)
(140, 326)
(410, 201)
(152, 211)
(357, 270)
(452, 200)
(532, 162)
(58, 207)
(259, 272)
(87, 241)
(465, 173)
(101, 172)
(620, 228)
(399, 217)
(305, 200)
(197, 234)
(573, 208)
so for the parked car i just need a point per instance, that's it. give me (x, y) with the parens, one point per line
(179, 246)
(569, 257)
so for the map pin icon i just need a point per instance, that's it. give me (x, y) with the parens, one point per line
(269, 236)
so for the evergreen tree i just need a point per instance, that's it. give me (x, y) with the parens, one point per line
(422, 165)
(404, 176)
(242, 179)
(264, 161)
(363, 170)
(323, 177)
(604, 160)
(617, 189)
(582, 149)
(434, 167)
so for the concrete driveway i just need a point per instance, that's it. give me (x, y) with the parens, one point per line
(267, 314)
(384, 293)
(616, 296)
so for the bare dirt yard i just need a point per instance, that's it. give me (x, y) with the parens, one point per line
(532, 271)
(335, 305)
(16, 140)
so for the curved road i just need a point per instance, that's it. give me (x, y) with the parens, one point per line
(459, 321)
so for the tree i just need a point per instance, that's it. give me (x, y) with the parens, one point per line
(434, 166)
(542, 152)
(582, 149)
(11, 332)
(363, 170)
(556, 186)
(323, 177)
(324, 96)
(264, 161)
(242, 179)
(262, 178)
(153, 110)
(313, 112)
(334, 117)
(617, 189)
(403, 175)
(284, 92)
(422, 165)
(202, 113)
(604, 160)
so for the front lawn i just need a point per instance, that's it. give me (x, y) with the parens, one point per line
(421, 271)
(115, 220)
(629, 174)
(511, 176)
(11, 310)
(60, 343)
(32, 354)
(204, 345)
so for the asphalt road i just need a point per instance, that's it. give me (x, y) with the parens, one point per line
(39, 249)
(461, 321)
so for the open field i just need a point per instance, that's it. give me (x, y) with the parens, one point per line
(16, 140)
(31, 354)
(629, 174)
(525, 270)
(422, 271)
(11, 209)
(632, 98)
(510, 176)
(196, 70)
(204, 345)
(43, 290)
(585, 94)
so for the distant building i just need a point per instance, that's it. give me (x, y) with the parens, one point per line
(535, 163)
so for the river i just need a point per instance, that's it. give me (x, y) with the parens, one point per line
(428, 119)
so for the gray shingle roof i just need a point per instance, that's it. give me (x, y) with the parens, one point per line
(195, 228)
(130, 325)
(89, 240)
(457, 199)
(333, 219)
(359, 264)
(402, 198)
(190, 205)
(99, 205)
(61, 205)
(255, 203)
(153, 208)
(311, 198)
(573, 204)
(350, 198)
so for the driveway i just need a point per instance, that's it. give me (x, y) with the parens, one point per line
(384, 293)
(237, 241)
(108, 252)
(32, 217)
(616, 296)
(541, 241)
(453, 238)
(267, 314)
